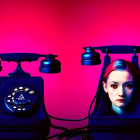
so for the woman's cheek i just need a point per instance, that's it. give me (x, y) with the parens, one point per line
(130, 92)
(111, 91)
(111, 96)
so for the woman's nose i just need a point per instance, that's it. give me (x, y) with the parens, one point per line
(121, 91)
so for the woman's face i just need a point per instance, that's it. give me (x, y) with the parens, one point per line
(120, 88)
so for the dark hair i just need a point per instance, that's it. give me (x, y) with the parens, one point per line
(104, 108)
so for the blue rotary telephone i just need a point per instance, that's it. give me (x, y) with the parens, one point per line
(110, 127)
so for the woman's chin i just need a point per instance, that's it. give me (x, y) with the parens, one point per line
(121, 105)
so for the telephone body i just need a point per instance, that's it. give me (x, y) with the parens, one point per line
(105, 126)
(22, 110)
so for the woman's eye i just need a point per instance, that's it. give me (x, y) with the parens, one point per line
(129, 86)
(114, 86)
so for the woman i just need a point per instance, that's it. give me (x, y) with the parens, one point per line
(120, 94)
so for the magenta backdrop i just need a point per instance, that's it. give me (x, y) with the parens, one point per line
(64, 27)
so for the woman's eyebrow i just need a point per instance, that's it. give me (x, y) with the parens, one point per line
(129, 82)
(113, 82)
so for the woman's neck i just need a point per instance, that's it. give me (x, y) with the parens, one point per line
(118, 110)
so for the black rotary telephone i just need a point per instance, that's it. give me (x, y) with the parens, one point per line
(22, 109)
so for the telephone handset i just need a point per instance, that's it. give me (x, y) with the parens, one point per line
(22, 98)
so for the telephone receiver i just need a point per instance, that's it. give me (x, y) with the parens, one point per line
(22, 109)
(91, 57)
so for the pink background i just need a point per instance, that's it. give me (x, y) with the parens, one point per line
(64, 27)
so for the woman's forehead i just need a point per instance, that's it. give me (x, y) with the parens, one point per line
(120, 76)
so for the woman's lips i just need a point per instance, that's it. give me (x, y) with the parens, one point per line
(121, 100)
